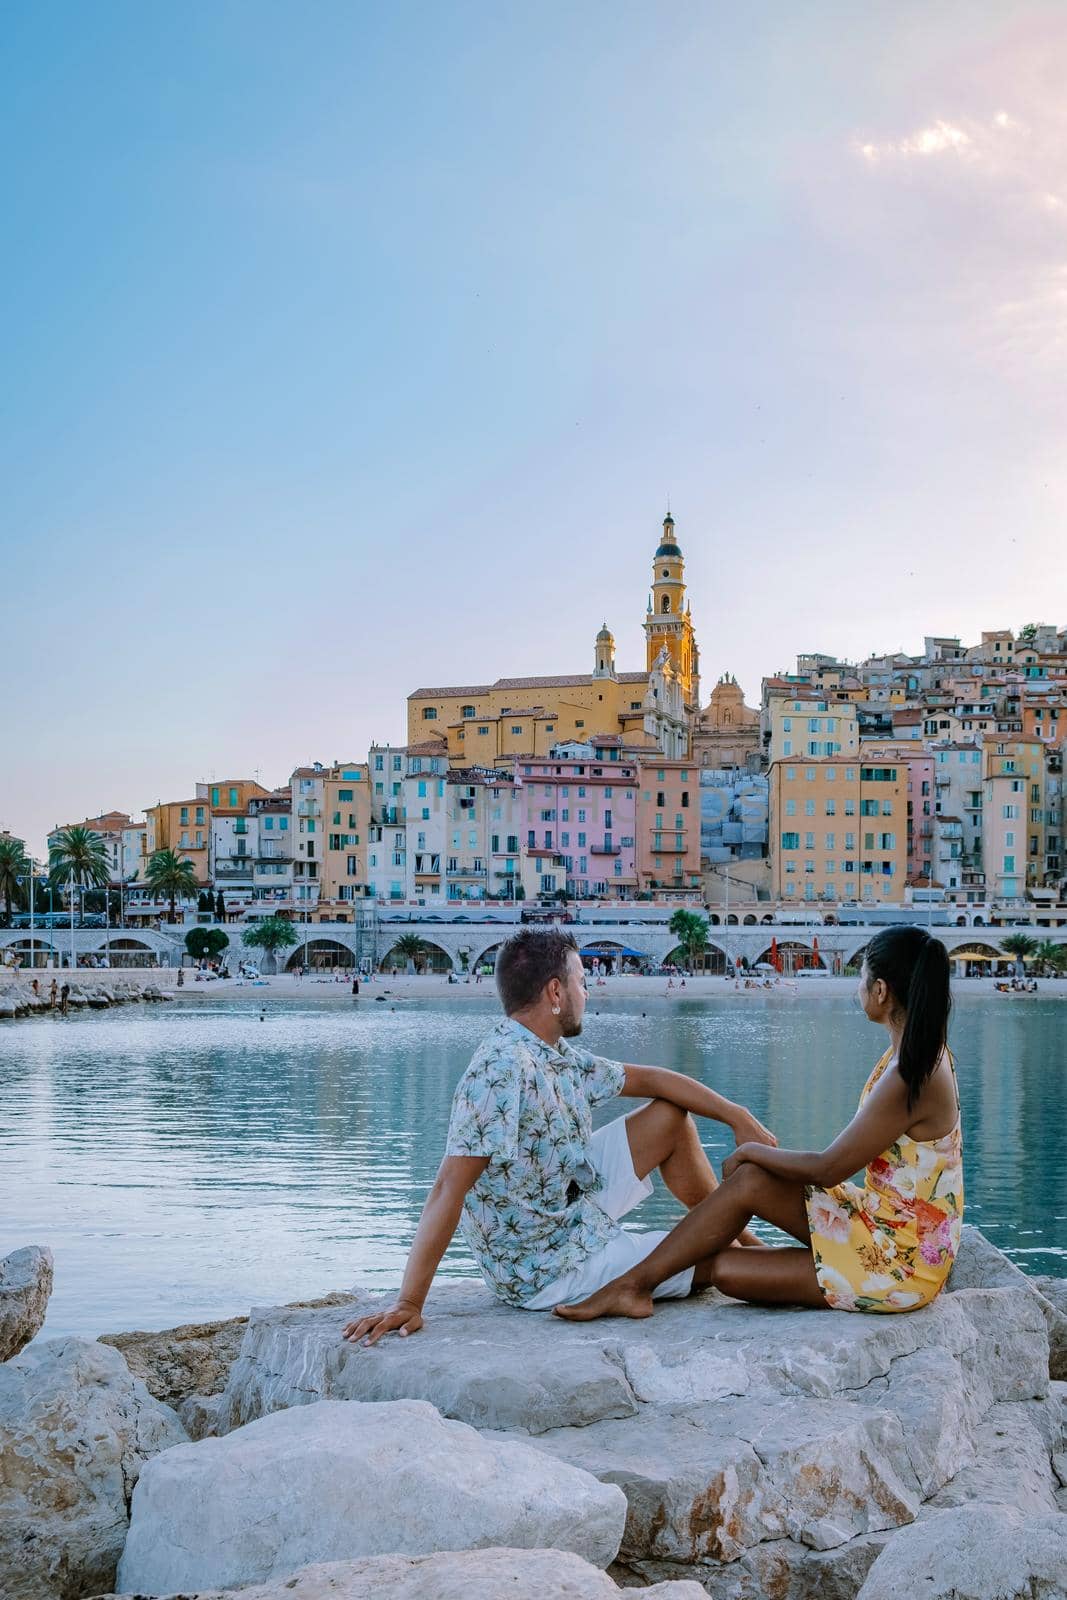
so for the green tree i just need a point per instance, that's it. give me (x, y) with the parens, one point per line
(270, 936)
(220, 907)
(1028, 633)
(77, 859)
(172, 876)
(1021, 946)
(1050, 956)
(14, 873)
(691, 931)
(413, 949)
(206, 943)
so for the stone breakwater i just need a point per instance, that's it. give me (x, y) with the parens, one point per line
(718, 1449)
(19, 1000)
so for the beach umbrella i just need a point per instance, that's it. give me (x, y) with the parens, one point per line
(815, 951)
(776, 960)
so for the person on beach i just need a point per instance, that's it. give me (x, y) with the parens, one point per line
(539, 1193)
(885, 1245)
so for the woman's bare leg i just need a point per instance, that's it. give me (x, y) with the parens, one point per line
(767, 1277)
(663, 1135)
(708, 1230)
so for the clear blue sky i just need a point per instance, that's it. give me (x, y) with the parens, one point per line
(349, 348)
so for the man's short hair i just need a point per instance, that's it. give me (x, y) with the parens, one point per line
(529, 960)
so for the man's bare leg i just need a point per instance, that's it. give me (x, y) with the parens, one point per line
(663, 1135)
(708, 1230)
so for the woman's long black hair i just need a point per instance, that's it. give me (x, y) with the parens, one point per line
(914, 968)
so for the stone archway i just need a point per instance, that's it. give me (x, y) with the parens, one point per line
(978, 959)
(126, 952)
(433, 958)
(321, 955)
(795, 956)
(30, 952)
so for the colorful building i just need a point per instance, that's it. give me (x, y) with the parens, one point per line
(576, 821)
(183, 826)
(838, 830)
(668, 826)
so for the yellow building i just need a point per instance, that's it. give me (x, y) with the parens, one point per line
(838, 830)
(183, 826)
(807, 724)
(346, 789)
(480, 724)
(230, 796)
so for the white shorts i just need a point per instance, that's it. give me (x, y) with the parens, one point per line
(609, 1153)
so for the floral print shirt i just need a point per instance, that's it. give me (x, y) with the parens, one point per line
(533, 1213)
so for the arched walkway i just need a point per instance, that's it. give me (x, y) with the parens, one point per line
(125, 952)
(431, 958)
(322, 955)
(794, 956)
(35, 952)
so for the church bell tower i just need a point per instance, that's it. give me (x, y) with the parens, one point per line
(668, 622)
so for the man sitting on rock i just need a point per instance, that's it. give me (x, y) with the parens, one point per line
(539, 1193)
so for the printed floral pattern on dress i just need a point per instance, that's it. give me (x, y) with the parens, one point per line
(890, 1244)
(532, 1215)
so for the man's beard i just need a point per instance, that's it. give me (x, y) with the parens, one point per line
(572, 1026)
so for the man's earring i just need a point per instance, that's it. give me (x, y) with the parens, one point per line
(555, 1011)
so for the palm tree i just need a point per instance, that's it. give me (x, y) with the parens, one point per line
(77, 859)
(412, 948)
(270, 935)
(15, 867)
(1050, 956)
(1021, 946)
(171, 875)
(691, 931)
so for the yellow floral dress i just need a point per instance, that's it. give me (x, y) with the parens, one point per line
(889, 1246)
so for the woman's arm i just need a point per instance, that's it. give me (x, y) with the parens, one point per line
(880, 1121)
(660, 1083)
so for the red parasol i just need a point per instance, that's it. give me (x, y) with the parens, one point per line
(776, 960)
(815, 951)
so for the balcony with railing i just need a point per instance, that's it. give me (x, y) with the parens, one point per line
(605, 849)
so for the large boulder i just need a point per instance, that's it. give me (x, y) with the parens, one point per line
(336, 1481)
(764, 1452)
(978, 1552)
(25, 1289)
(75, 1430)
(1055, 1292)
(178, 1363)
(451, 1575)
(980, 1265)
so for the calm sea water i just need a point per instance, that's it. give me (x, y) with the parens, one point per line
(188, 1161)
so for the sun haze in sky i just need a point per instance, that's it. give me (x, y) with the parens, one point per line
(353, 348)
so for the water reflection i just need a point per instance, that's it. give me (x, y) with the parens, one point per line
(190, 1161)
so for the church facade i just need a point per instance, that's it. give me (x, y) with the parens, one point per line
(658, 708)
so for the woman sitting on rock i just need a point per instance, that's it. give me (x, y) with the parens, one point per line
(885, 1245)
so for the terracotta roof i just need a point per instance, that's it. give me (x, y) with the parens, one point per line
(564, 681)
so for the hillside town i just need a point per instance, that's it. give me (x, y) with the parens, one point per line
(926, 780)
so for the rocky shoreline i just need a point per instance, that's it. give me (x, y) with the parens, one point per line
(19, 1000)
(717, 1449)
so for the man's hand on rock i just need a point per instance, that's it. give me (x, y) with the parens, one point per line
(404, 1317)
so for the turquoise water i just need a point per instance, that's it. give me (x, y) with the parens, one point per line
(188, 1161)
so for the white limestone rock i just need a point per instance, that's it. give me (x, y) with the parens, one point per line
(1012, 1467)
(978, 1552)
(25, 1289)
(340, 1481)
(477, 1361)
(178, 1362)
(75, 1430)
(780, 1569)
(451, 1575)
(713, 1481)
(1055, 1292)
(980, 1265)
(486, 1364)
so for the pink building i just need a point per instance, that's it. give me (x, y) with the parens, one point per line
(577, 812)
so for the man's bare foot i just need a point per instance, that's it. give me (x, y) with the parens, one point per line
(620, 1298)
(752, 1240)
